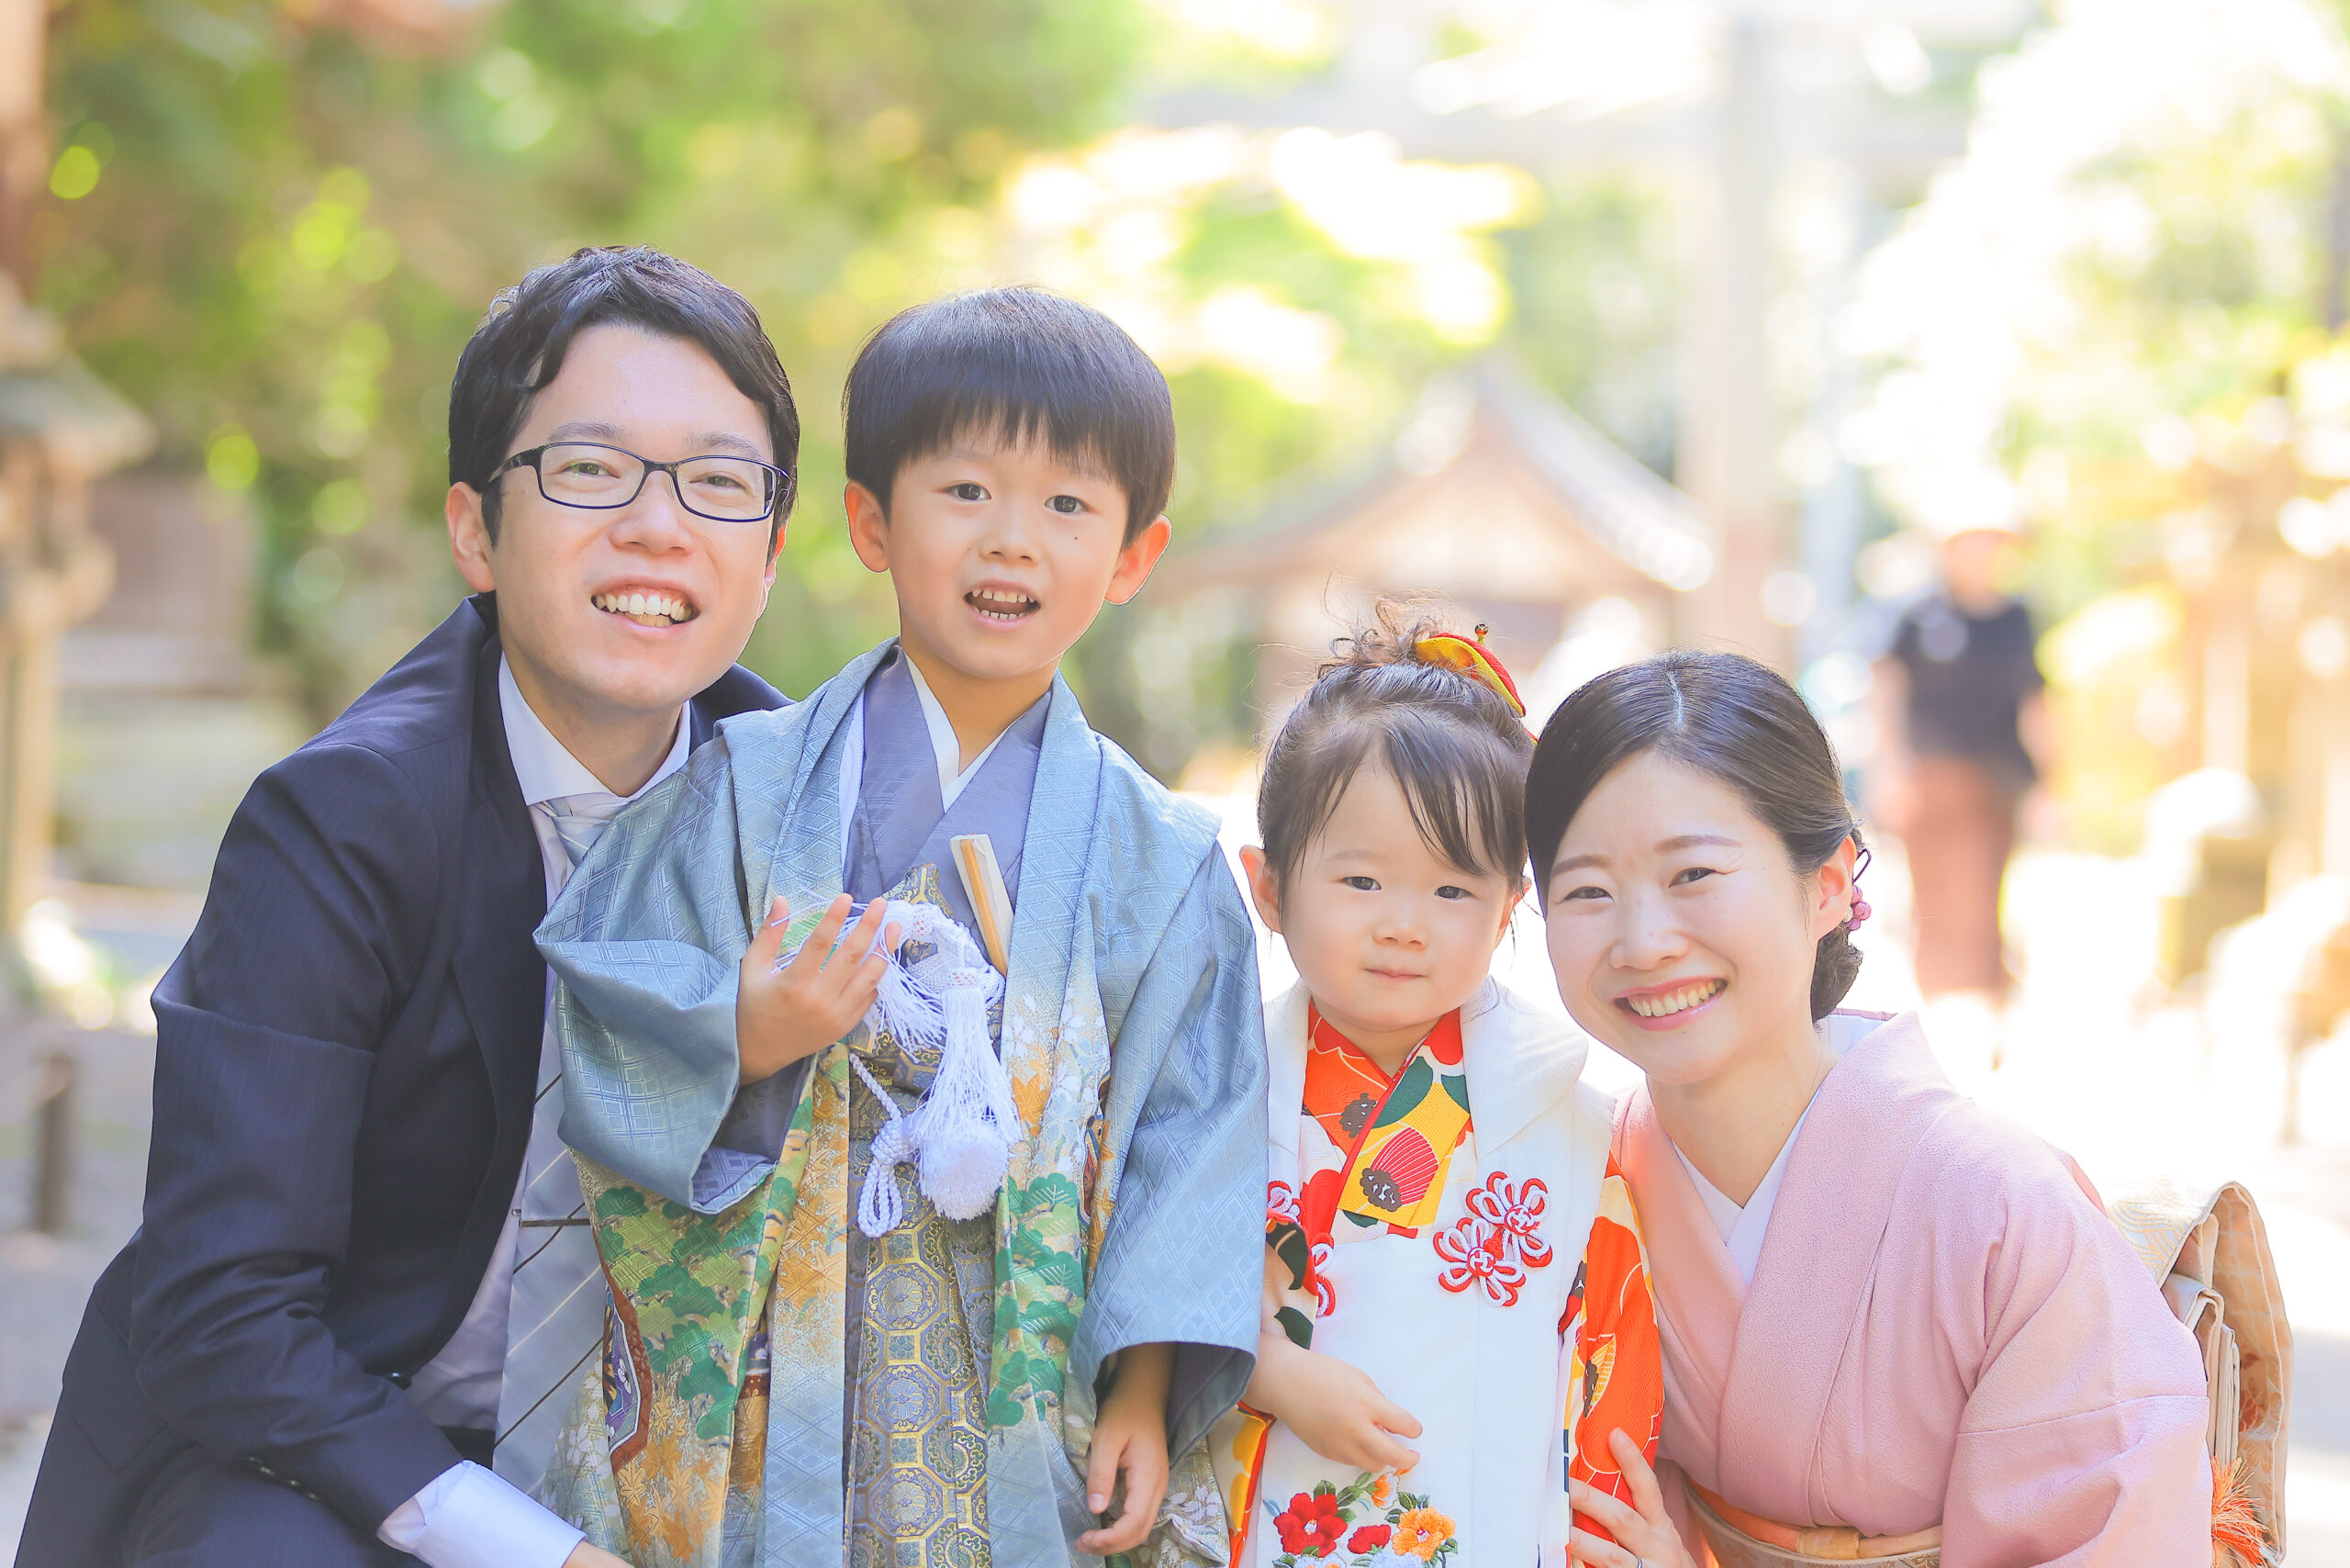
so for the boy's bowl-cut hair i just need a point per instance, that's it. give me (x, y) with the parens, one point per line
(1015, 364)
(520, 346)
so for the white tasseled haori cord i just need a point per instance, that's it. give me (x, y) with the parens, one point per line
(959, 1139)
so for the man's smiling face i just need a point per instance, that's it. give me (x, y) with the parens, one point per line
(631, 611)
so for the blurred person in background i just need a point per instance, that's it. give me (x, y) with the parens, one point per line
(1963, 738)
(361, 1290)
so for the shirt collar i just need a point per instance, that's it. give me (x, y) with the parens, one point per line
(544, 767)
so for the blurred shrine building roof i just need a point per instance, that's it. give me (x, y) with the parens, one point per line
(1495, 500)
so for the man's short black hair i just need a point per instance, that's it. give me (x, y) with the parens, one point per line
(520, 346)
(1012, 365)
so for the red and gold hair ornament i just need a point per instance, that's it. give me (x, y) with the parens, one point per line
(1472, 660)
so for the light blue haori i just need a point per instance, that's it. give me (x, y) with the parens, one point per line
(1133, 1212)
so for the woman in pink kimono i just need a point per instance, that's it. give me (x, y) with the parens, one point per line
(1457, 1312)
(1896, 1329)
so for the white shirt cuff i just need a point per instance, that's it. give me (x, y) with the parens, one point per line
(467, 1516)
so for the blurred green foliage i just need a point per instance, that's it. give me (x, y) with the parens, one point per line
(280, 233)
(274, 230)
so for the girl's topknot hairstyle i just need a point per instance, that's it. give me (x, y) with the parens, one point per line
(1726, 716)
(1453, 744)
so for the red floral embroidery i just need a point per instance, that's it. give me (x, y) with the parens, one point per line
(1325, 1295)
(1370, 1537)
(1474, 1251)
(1514, 1211)
(1311, 1527)
(1497, 1240)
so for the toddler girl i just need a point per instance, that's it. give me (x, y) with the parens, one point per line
(1457, 1313)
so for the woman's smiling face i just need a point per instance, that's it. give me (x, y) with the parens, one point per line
(1681, 936)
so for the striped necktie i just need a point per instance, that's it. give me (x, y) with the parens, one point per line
(555, 1315)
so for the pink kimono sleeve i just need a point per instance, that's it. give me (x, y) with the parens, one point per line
(2082, 1441)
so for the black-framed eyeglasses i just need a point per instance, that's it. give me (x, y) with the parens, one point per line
(602, 478)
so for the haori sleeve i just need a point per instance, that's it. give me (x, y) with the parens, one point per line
(1614, 1360)
(1183, 1251)
(646, 944)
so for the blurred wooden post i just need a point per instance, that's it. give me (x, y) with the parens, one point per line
(53, 1148)
(24, 139)
(60, 429)
(1728, 429)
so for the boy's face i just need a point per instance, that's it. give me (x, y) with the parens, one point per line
(1001, 555)
(556, 568)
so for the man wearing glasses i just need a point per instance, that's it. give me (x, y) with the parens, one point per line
(363, 1293)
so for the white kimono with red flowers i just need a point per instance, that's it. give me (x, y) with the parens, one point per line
(1459, 1233)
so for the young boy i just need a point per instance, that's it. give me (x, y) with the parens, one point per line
(782, 1384)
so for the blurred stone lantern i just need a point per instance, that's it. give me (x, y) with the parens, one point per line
(60, 429)
(2260, 832)
(2217, 830)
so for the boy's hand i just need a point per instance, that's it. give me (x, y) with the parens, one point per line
(1332, 1405)
(1130, 1441)
(586, 1556)
(781, 1016)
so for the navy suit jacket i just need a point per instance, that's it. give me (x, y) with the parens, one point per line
(345, 1055)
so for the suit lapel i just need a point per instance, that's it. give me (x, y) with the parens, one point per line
(501, 897)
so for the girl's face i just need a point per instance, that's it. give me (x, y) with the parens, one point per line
(1387, 935)
(1681, 933)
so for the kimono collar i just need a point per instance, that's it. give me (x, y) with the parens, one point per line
(1526, 1060)
(1872, 1114)
(1521, 1062)
(1285, 1053)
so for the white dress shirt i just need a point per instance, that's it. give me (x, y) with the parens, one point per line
(468, 1517)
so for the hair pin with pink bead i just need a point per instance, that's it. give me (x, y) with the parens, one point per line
(1861, 910)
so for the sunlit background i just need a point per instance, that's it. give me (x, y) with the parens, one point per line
(1614, 325)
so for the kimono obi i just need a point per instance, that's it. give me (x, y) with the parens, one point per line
(1740, 1540)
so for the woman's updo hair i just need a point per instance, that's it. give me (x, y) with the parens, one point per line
(1726, 716)
(1453, 744)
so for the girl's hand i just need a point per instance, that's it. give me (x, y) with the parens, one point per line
(1644, 1534)
(1332, 1405)
(1130, 1441)
(781, 1016)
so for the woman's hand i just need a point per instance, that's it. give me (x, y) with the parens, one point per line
(781, 1016)
(1644, 1534)
(1130, 1441)
(1332, 1405)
